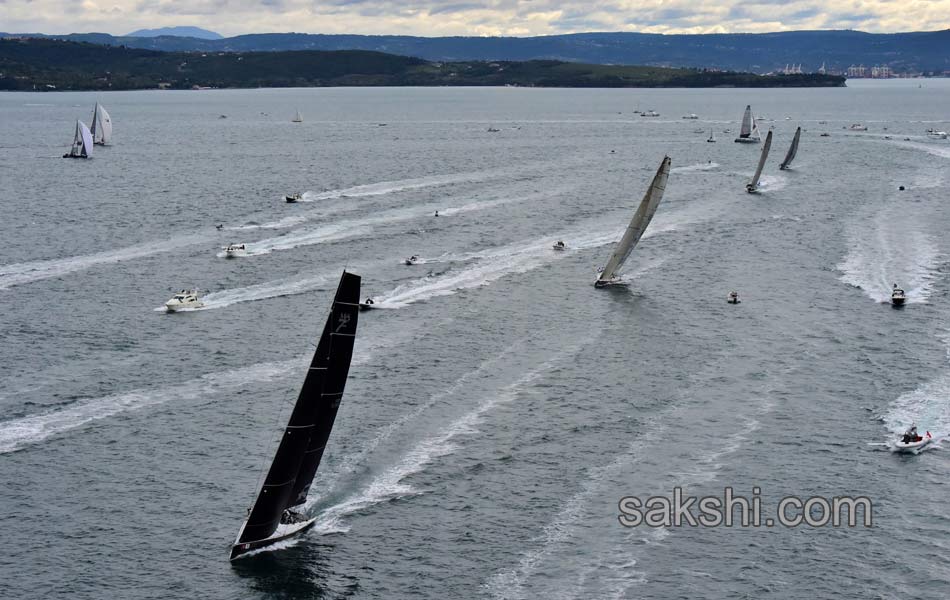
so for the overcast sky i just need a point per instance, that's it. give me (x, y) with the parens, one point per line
(472, 17)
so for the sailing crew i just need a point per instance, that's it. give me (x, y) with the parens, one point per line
(437, 213)
(369, 301)
(910, 435)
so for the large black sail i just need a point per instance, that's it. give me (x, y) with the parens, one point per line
(335, 357)
(312, 417)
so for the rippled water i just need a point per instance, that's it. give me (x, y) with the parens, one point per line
(501, 406)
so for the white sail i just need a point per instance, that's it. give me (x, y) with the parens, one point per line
(82, 142)
(86, 139)
(642, 218)
(754, 184)
(747, 122)
(297, 118)
(101, 126)
(792, 150)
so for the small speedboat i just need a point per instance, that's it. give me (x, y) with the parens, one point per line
(559, 246)
(493, 130)
(690, 116)
(368, 304)
(412, 260)
(940, 135)
(858, 127)
(733, 298)
(898, 296)
(912, 446)
(293, 198)
(233, 250)
(183, 300)
(825, 135)
(650, 113)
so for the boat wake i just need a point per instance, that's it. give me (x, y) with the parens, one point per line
(772, 183)
(895, 250)
(20, 433)
(389, 484)
(707, 166)
(20, 273)
(496, 263)
(260, 291)
(926, 406)
(343, 229)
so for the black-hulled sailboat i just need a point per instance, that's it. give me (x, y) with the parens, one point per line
(276, 513)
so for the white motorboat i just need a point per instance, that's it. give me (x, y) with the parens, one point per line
(234, 250)
(690, 116)
(898, 296)
(293, 198)
(184, 299)
(912, 446)
(858, 127)
(733, 298)
(650, 113)
(939, 135)
(412, 260)
(559, 246)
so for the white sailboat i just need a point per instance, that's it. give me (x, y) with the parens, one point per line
(712, 138)
(792, 150)
(641, 219)
(82, 142)
(101, 126)
(753, 186)
(297, 118)
(749, 132)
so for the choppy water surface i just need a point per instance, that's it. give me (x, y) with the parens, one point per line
(501, 406)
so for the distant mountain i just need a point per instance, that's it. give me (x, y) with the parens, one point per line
(44, 64)
(192, 32)
(757, 53)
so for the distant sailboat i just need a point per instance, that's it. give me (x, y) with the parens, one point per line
(749, 132)
(297, 118)
(792, 150)
(753, 186)
(712, 138)
(101, 126)
(642, 218)
(273, 516)
(82, 142)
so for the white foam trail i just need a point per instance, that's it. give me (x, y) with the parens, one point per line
(19, 433)
(708, 166)
(942, 150)
(349, 228)
(893, 251)
(772, 183)
(388, 485)
(926, 406)
(500, 262)
(352, 461)
(16, 434)
(508, 585)
(263, 291)
(20, 273)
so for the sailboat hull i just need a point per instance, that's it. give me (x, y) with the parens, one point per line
(612, 282)
(283, 532)
(748, 140)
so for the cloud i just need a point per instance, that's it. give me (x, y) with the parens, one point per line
(479, 17)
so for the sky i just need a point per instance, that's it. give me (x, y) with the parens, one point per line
(472, 17)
